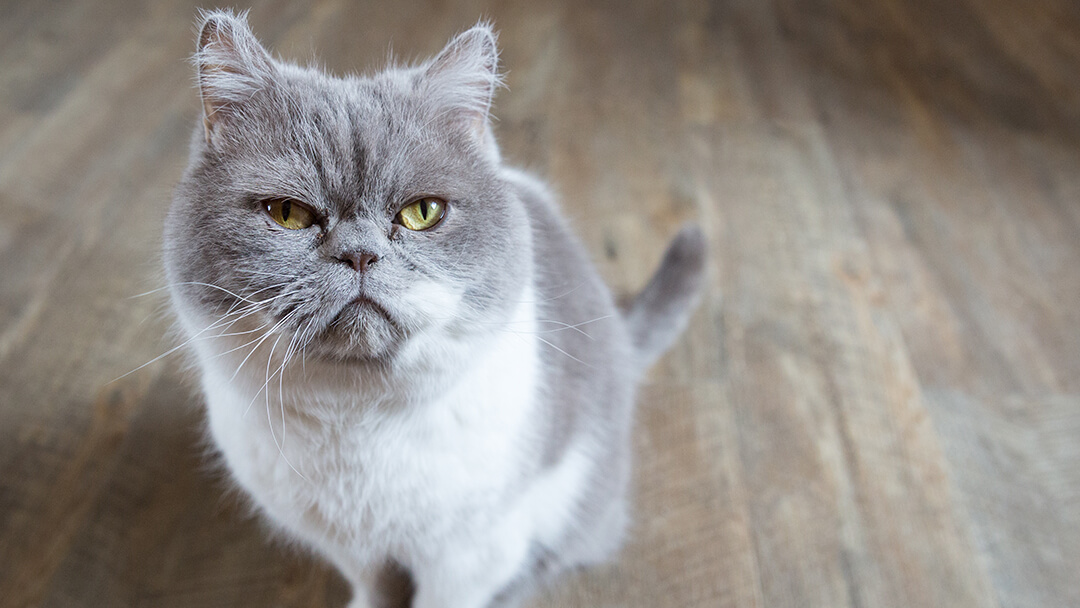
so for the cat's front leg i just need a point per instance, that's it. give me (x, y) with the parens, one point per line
(471, 574)
(369, 583)
(360, 581)
(371, 590)
(361, 598)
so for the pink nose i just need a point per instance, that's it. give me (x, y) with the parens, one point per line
(359, 261)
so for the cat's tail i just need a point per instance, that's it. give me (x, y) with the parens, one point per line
(658, 314)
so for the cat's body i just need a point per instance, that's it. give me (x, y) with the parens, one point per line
(454, 402)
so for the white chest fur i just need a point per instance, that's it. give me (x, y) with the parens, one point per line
(363, 476)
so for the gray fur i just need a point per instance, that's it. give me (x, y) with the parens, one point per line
(660, 312)
(357, 149)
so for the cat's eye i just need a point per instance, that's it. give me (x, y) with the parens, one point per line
(422, 214)
(290, 213)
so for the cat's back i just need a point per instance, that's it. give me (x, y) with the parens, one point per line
(586, 349)
(575, 306)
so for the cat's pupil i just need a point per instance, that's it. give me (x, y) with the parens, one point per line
(286, 208)
(423, 209)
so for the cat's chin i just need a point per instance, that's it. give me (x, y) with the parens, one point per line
(363, 332)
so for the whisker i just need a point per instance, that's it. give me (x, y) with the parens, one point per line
(565, 326)
(273, 329)
(565, 353)
(211, 285)
(268, 274)
(265, 390)
(265, 386)
(177, 347)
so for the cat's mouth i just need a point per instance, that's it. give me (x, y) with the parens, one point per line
(362, 310)
(362, 301)
(363, 328)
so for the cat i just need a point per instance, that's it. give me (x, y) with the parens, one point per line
(409, 363)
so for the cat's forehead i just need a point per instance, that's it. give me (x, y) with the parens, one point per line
(362, 135)
(376, 111)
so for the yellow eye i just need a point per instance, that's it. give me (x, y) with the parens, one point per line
(289, 213)
(422, 214)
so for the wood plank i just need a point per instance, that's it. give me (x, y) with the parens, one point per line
(971, 226)
(878, 403)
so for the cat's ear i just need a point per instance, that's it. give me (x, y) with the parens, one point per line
(462, 80)
(231, 65)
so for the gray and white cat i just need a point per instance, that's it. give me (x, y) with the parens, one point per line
(408, 361)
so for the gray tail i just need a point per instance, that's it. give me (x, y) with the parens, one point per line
(660, 312)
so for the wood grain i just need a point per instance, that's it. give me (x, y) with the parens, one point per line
(878, 403)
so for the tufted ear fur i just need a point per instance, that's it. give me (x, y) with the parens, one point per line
(232, 66)
(462, 80)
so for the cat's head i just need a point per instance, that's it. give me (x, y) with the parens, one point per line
(348, 215)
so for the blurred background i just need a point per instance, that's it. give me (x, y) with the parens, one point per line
(877, 405)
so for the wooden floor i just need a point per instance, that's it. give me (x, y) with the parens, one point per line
(878, 404)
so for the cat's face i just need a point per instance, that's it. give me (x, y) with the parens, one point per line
(346, 216)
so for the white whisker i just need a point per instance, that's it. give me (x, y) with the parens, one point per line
(564, 352)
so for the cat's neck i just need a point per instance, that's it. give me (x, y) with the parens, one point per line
(335, 390)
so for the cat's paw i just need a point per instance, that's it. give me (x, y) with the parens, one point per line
(361, 599)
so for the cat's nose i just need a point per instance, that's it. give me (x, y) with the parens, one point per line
(359, 260)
